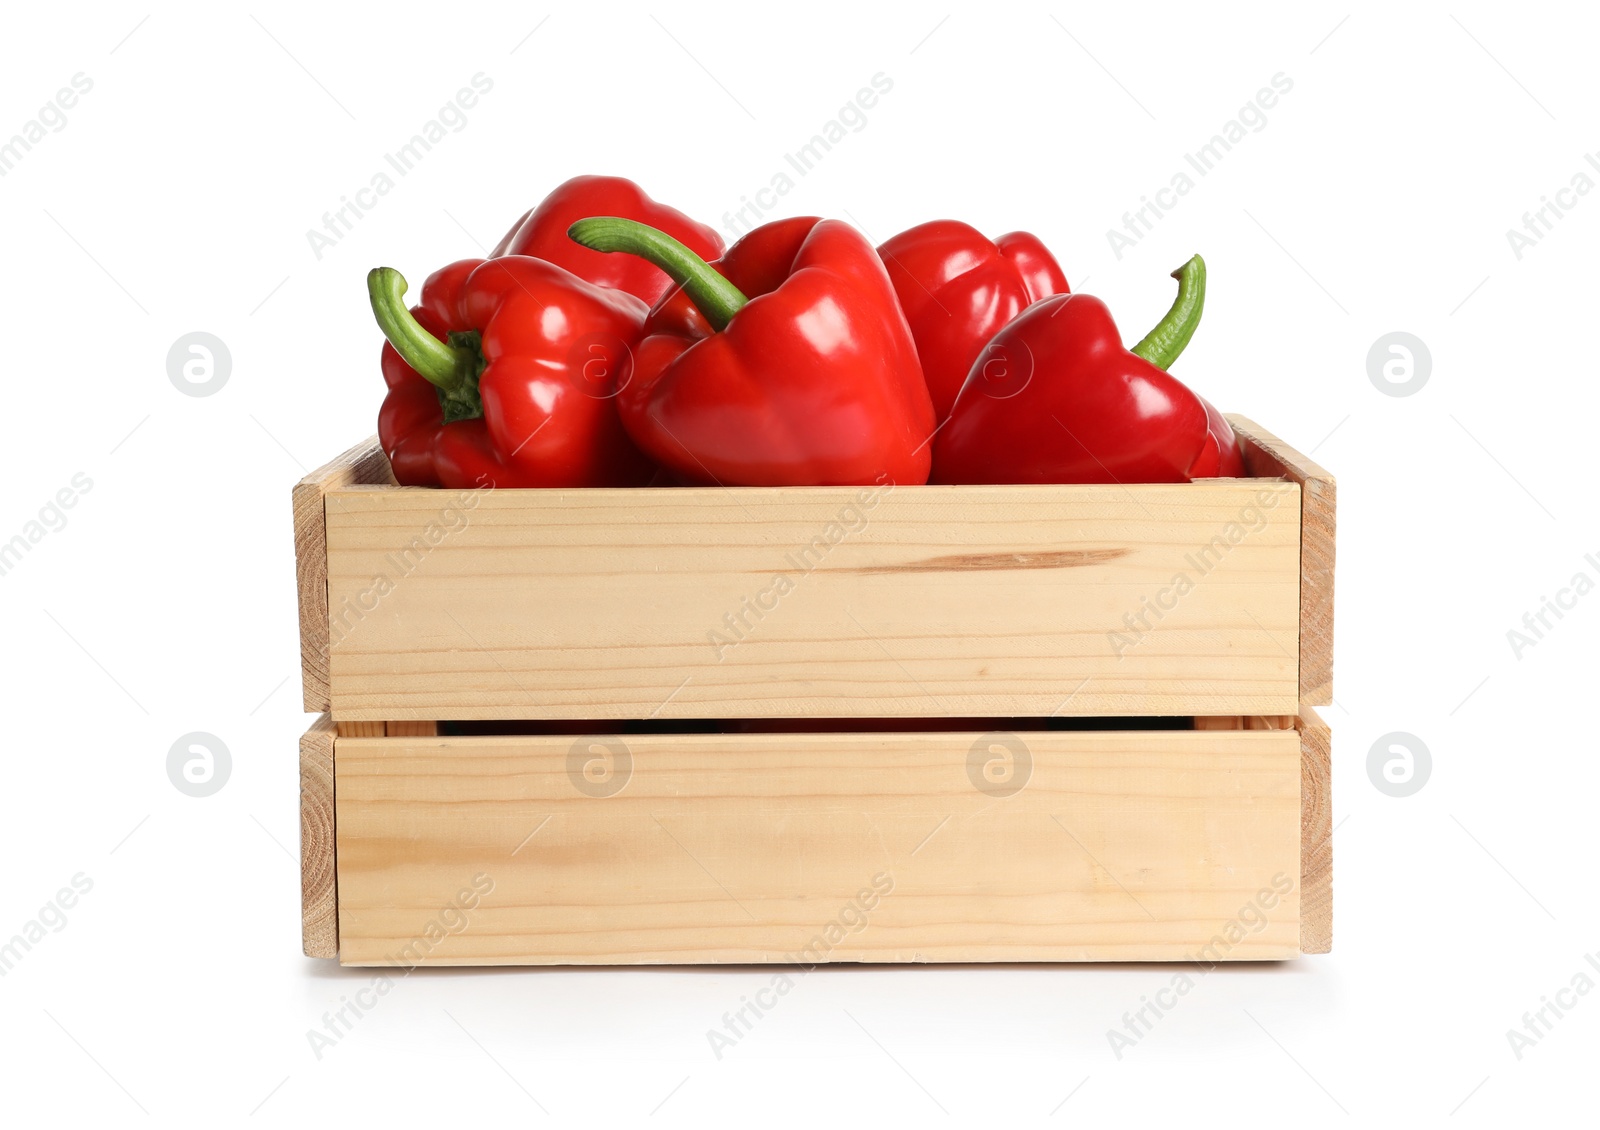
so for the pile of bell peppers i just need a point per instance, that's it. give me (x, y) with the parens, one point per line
(611, 340)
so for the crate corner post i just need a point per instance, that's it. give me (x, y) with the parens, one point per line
(365, 464)
(1316, 833)
(1267, 456)
(319, 903)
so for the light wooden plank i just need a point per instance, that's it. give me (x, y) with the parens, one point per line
(1156, 845)
(1316, 817)
(955, 601)
(319, 912)
(375, 729)
(1316, 833)
(1267, 455)
(363, 463)
(411, 729)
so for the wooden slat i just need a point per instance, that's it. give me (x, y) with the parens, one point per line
(1267, 455)
(686, 603)
(319, 913)
(1155, 845)
(1316, 833)
(1316, 817)
(412, 729)
(374, 729)
(365, 463)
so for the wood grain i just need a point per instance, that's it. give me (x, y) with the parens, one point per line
(758, 603)
(1316, 817)
(411, 729)
(1154, 845)
(1267, 455)
(374, 729)
(365, 463)
(1316, 833)
(319, 913)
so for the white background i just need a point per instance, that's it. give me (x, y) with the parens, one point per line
(1377, 198)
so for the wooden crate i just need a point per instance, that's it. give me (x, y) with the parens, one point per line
(1206, 605)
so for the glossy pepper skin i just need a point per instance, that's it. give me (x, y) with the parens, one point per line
(522, 364)
(958, 289)
(1057, 399)
(789, 364)
(1221, 457)
(542, 233)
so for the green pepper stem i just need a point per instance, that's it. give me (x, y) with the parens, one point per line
(451, 367)
(1162, 345)
(717, 298)
(425, 353)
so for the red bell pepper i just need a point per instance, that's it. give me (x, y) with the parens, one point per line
(506, 375)
(542, 233)
(958, 289)
(1057, 399)
(1221, 458)
(812, 379)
